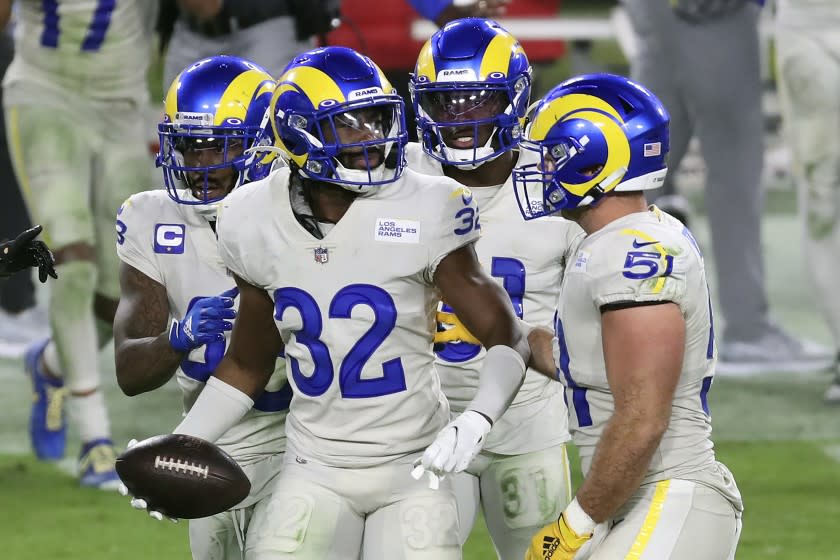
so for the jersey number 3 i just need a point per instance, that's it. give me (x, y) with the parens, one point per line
(512, 273)
(350, 381)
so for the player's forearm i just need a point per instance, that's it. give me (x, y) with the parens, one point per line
(621, 461)
(247, 376)
(542, 355)
(144, 364)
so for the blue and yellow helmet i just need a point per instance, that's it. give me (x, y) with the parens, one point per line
(217, 103)
(333, 92)
(470, 91)
(594, 134)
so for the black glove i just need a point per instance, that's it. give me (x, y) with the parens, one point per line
(25, 252)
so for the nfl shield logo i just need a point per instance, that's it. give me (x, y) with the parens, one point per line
(322, 255)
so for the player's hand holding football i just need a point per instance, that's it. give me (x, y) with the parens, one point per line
(453, 330)
(206, 321)
(139, 503)
(26, 252)
(559, 540)
(455, 447)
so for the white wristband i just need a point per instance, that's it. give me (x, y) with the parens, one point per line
(216, 410)
(578, 520)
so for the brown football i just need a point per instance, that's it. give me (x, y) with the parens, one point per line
(182, 476)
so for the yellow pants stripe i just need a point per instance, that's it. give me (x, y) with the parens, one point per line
(652, 518)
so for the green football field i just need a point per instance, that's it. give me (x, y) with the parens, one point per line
(772, 430)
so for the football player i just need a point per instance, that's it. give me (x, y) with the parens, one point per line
(808, 69)
(470, 92)
(340, 257)
(171, 268)
(76, 102)
(634, 339)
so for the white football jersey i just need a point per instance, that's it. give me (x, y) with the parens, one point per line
(355, 309)
(98, 49)
(808, 14)
(644, 257)
(527, 259)
(175, 246)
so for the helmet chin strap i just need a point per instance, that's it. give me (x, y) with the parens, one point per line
(207, 210)
(375, 175)
(465, 158)
(598, 191)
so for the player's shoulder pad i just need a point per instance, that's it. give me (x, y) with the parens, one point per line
(642, 261)
(145, 204)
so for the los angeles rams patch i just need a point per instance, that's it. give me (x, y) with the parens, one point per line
(581, 260)
(397, 231)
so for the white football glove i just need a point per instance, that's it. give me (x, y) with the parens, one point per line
(140, 503)
(454, 448)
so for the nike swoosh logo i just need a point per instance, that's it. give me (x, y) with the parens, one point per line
(637, 244)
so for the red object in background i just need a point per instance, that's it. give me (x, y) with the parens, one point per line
(382, 31)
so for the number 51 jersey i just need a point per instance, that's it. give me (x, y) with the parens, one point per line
(355, 309)
(173, 245)
(643, 258)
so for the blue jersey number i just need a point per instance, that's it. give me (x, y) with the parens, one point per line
(121, 229)
(640, 265)
(469, 219)
(350, 381)
(97, 29)
(269, 401)
(512, 273)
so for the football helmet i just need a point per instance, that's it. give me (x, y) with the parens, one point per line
(336, 118)
(212, 115)
(593, 135)
(470, 91)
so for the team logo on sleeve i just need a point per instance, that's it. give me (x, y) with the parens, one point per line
(321, 254)
(169, 238)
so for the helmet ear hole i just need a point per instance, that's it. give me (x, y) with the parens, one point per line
(626, 105)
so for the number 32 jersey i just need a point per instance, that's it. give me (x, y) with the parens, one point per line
(644, 257)
(175, 246)
(355, 309)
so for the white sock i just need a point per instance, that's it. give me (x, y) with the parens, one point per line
(51, 362)
(90, 414)
(74, 327)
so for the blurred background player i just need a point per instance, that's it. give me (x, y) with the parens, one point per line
(171, 268)
(387, 34)
(25, 252)
(21, 321)
(75, 97)
(687, 50)
(328, 259)
(808, 71)
(470, 90)
(634, 339)
(260, 30)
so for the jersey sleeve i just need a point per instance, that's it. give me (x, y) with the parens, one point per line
(455, 222)
(135, 235)
(632, 266)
